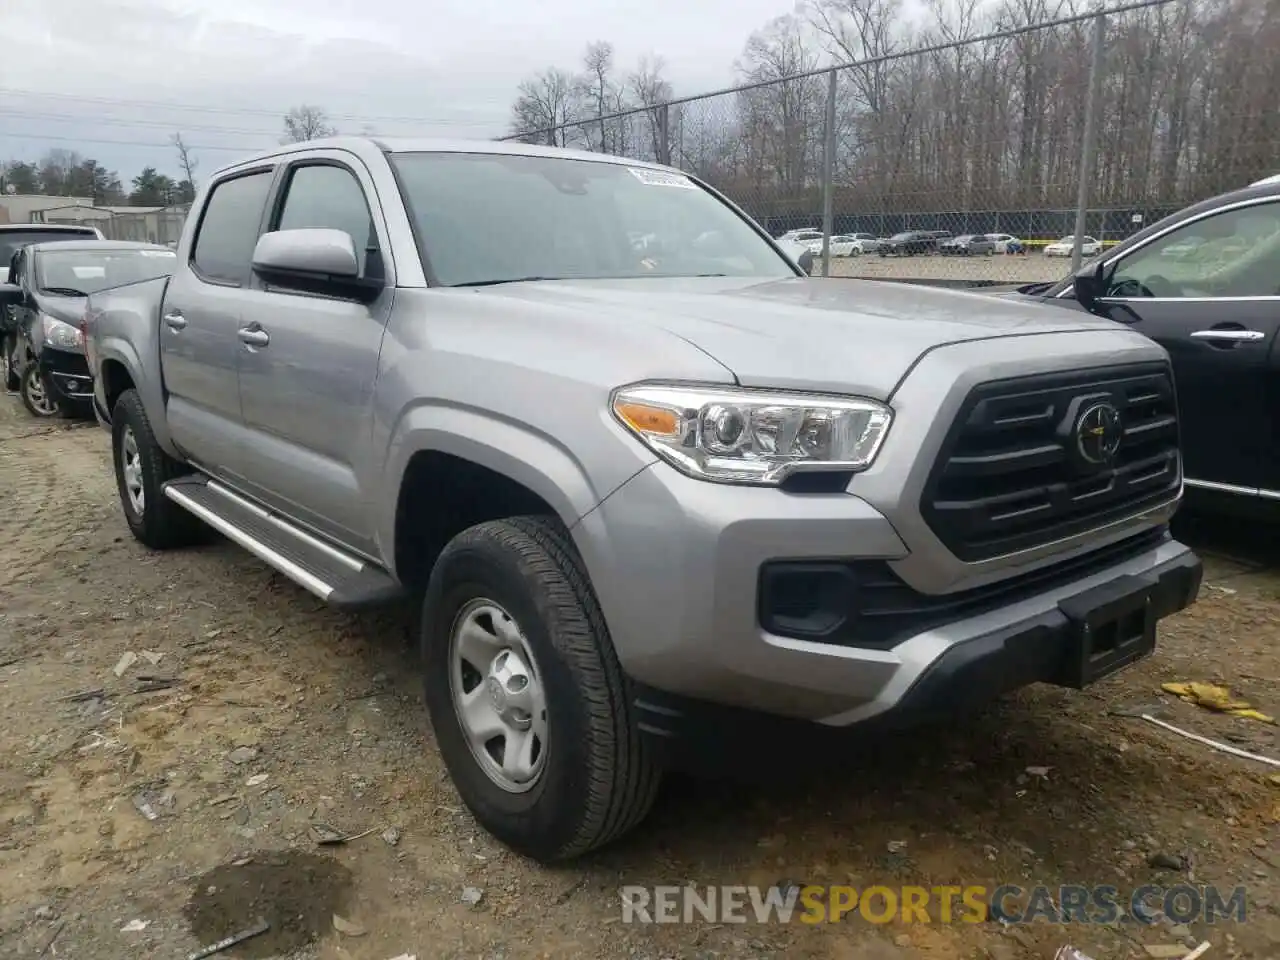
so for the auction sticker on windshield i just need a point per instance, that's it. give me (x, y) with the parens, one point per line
(660, 178)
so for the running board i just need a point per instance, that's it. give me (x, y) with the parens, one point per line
(331, 573)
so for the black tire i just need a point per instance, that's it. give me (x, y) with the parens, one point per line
(162, 524)
(30, 373)
(599, 779)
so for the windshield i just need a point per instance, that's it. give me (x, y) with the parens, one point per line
(76, 273)
(497, 218)
(902, 236)
(11, 241)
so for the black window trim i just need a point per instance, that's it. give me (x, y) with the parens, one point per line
(272, 170)
(1068, 291)
(275, 207)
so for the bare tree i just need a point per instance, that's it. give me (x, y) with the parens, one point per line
(595, 90)
(306, 123)
(542, 108)
(186, 161)
(650, 91)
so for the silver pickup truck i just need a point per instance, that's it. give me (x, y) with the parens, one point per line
(646, 490)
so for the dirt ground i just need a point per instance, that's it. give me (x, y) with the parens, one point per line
(1031, 268)
(142, 822)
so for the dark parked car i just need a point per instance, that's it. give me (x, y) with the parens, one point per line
(912, 242)
(968, 245)
(44, 352)
(1215, 306)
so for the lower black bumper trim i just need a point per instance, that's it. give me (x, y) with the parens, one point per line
(968, 676)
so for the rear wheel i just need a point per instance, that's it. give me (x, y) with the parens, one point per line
(142, 468)
(529, 705)
(36, 395)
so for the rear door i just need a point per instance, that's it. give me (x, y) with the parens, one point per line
(1216, 309)
(202, 310)
(307, 393)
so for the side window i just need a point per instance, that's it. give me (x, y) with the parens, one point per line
(228, 229)
(1231, 254)
(323, 195)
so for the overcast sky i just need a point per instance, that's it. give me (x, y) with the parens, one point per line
(114, 79)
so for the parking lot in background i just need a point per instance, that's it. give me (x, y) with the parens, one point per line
(270, 723)
(1000, 268)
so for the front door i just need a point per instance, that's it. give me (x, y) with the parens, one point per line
(307, 376)
(1209, 293)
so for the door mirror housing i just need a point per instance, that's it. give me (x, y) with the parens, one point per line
(11, 295)
(315, 260)
(1089, 285)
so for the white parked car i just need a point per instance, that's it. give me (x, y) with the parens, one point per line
(852, 244)
(1062, 248)
(803, 237)
(1005, 243)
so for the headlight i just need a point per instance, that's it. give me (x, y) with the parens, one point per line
(731, 435)
(60, 334)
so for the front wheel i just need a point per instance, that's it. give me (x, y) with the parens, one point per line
(529, 705)
(36, 395)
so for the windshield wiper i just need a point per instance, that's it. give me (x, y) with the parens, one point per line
(494, 283)
(64, 291)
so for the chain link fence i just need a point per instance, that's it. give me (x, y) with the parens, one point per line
(970, 159)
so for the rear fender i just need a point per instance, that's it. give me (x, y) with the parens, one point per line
(147, 381)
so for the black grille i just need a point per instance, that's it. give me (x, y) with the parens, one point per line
(1009, 477)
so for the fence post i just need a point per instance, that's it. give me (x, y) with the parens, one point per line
(664, 134)
(1089, 150)
(828, 174)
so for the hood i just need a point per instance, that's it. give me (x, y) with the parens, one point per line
(67, 309)
(844, 336)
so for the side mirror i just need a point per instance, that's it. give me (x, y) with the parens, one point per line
(1089, 284)
(315, 260)
(805, 262)
(11, 295)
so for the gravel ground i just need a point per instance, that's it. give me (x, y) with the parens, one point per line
(194, 809)
(1031, 268)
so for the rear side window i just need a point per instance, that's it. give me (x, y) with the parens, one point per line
(329, 196)
(229, 228)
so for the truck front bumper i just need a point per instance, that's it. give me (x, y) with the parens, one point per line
(787, 605)
(67, 374)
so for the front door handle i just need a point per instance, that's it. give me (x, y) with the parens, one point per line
(1229, 336)
(253, 336)
(175, 320)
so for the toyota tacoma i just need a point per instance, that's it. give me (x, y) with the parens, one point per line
(633, 487)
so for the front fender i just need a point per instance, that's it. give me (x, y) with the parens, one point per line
(537, 461)
(147, 380)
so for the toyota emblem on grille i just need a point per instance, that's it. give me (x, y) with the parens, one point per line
(1098, 433)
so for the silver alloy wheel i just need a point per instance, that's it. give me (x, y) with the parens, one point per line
(44, 404)
(131, 467)
(498, 695)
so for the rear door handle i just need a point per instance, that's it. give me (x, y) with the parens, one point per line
(1229, 336)
(253, 336)
(175, 320)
